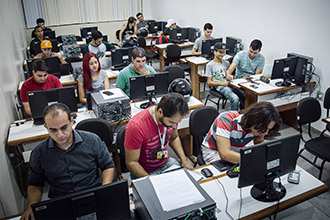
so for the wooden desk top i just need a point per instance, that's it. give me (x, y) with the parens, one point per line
(326, 120)
(163, 46)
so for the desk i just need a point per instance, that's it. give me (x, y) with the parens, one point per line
(161, 48)
(308, 187)
(326, 120)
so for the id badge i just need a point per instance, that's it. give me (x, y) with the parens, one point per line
(162, 154)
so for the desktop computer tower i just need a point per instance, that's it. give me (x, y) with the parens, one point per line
(193, 34)
(303, 72)
(234, 45)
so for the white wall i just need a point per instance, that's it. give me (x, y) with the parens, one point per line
(12, 44)
(300, 26)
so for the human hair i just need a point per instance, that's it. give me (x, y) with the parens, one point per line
(40, 20)
(96, 35)
(256, 44)
(54, 109)
(173, 103)
(138, 14)
(138, 52)
(208, 26)
(39, 65)
(259, 116)
(131, 20)
(36, 27)
(87, 72)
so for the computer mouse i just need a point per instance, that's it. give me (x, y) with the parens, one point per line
(107, 93)
(233, 172)
(207, 172)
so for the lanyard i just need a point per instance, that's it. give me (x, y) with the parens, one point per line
(162, 138)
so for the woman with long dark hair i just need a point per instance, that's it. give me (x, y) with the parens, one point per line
(93, 79)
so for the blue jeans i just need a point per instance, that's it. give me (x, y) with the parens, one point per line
(241, 94)
(227, 92)
(130, 42)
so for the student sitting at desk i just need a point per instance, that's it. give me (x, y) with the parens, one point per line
(39, 32)
(216, 75)
(128, 33)
(171, 24)
(142, 22)
(149, 133)
(69, 160)
(40, 22)
(197, 49)
(93, 79)
(97, 45)
(46, 48)
(137, 67)
(231, 131)
(39, 81)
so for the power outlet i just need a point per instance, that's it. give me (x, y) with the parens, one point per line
(319, 95)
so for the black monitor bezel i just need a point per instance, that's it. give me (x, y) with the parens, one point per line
(208, 45)
(84, 31)
(48, 60)
(118, 54)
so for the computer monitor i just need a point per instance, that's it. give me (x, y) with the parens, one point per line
(121, 57)
(73, 50)
(208, 46)
(53, 64)
(38, 100)
(109, 201)
(69, 39)
(156, 26)
(37, 47)
(234, 45)
(50, 34)
(285, 68)
(148, 86)
(262, 163)
(304, 70)
(179, 34)
(87, 31)
(193, 34)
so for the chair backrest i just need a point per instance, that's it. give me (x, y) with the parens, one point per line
(117, 34)
(174, 72)
(173, 51)
(99, 127)
(120, 145)
(141, 42)
(308, 111)
(200, 121)
(326, 102)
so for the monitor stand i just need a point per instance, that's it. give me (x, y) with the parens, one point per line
(283, 84)
(147, 104)
(268, 191)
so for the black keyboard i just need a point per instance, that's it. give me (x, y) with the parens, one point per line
(222, 165)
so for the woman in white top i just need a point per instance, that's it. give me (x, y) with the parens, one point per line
(93, 79)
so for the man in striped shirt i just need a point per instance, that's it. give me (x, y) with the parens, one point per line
(231, 131)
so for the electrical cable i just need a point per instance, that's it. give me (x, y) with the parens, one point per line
(227, 200)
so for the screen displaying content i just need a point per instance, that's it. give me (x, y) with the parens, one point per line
(69, 39)
(121, 57)
(262, 163)
(148, 86)
(179, 34)
(38, 100)
(208, 46)
(87, 31)
(53, 64)
(109, 201)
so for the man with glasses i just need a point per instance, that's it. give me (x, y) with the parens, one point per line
(46, 51)
(231, 131)
(69, 160)
(142, 22)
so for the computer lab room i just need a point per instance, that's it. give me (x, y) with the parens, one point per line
(204, 110)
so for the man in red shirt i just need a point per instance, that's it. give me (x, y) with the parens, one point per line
(39, 81)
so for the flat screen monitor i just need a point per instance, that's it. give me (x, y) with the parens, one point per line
(87, 31)
(148, 86)
(50, 34)
(109, 201)
(193, 34)
(121, 56)
(284, 68)
(53, 64)
(156, 26)
(208, 46)
(38, 100)
(232, 43)
(262, 163)
(179, 34)
(69, 39)
(303, 68)
(37, 47)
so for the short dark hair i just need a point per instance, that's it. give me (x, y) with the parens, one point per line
(173, 103)
(138, 14)
(131, 20)
(256, 44)
(259, 116)
(96, 35)
(40, 20)
(39, 65)
(208, 26)
(138, 52)
(53, 108)
(36, 27)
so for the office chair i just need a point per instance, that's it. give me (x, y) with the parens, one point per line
(174, 72)
(141, 42)
(200, 121)
(104, 130)
(326, 105)
(173, 53)
(309, 111)
(120, 145)
(217, 94)
(117, 34)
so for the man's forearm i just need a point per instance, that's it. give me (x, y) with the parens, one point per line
(136, 169)
(34, 194)
(108, 175)
(177, 147)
